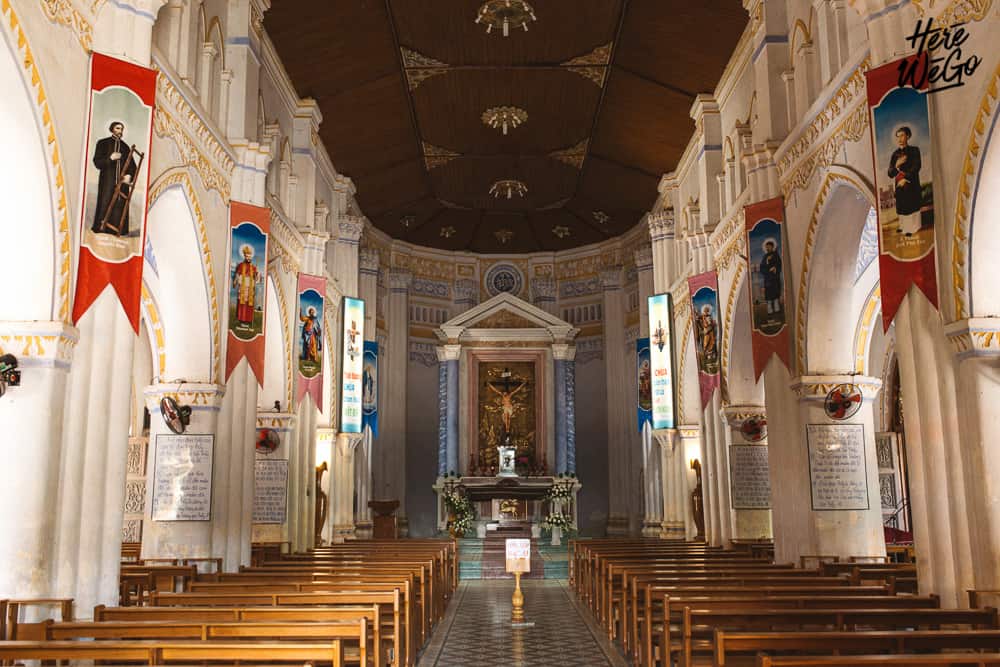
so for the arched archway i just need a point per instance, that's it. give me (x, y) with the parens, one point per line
(984, 227)
(275, 356)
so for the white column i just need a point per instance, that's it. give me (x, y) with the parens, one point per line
(225, 84)
(661, 234)
(208, 54)
(32, 415)
(619, 458)
(189, 539)
(342, 486)
(368, 289)
(391, 485)
(748, 524)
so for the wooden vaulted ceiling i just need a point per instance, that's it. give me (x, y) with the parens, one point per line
(607, 85)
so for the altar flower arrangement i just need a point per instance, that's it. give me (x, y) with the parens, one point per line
(562, 489)
(461, 512)
(558, 520)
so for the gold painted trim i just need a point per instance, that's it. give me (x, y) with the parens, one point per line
(873, 305)
(156, 326)
(63, 249)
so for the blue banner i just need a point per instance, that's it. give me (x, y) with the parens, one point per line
(369, 388)
(644, 380)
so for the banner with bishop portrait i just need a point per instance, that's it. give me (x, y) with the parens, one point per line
(310, 338)
(249, 227)
(115, 184)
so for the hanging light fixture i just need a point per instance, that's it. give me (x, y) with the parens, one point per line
(508, 187)
(504, 118)
(503, 14)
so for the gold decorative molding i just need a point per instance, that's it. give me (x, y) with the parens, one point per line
(735, 415)
(41, 343)
(680, 374)
(958, 11)
(505, 319)
(735, 248)
(975, 337)
(866, 324)
(33, 81)
(435, 156)
(206, 395)
(156, 327)
(816, 387)
(592, 66)
(187, 130)
(64, 12)
(573, 156)
(849, 106)
(419, 67)
(960, 244)
(179, 176)
(287, 244)
(282, 421)
(810, 245)
(286, 337)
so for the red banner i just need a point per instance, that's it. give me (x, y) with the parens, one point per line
(766, 281)
(115, 184)
(901, 151)
(249, 227)
(312, 290)
(704, 289)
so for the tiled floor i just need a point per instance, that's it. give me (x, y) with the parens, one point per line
(477, 629)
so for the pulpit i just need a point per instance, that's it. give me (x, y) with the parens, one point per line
(385, 525)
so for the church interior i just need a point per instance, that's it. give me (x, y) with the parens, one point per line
(500, 332)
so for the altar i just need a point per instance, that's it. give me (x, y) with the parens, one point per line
(506, 428)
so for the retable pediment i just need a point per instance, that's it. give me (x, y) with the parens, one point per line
(506, 315)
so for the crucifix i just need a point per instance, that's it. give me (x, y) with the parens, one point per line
(506, 399)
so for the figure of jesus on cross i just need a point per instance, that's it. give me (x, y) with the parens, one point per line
(507, 406)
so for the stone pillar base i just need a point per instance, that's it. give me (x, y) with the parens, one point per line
(363, 530)
(344, 533)
(404, 527)
(617, 526)
(650, 528)
(673, 530)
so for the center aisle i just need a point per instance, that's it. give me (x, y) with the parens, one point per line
(477, 629)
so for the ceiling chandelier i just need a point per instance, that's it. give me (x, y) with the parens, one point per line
(505, 13)
(504, 118)
(508, 188)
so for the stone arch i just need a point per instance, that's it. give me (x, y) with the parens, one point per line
(741, 385)
(180, 286)
(984, 218)
(34, 188)
(835, 228)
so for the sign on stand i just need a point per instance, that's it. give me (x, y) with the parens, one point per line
(518, 556)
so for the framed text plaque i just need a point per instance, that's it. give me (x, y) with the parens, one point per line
(270, 493)
(182, 478)
(518, 555)
(750, 479)
(838, 472)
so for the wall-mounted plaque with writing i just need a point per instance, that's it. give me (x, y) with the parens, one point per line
(750, 479)
(838, 472)
(182, 478)
(270, 494)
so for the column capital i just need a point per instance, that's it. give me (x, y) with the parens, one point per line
(276, 421)
(661, 224)
(975, 337)
(689, 431)
(39, 344)
(400, 280)
(368, 261)
(644, 258)
(209, 49)
(667, 439)
(349, 229)
(735, 415)
(321, 215)
(816, 387)
(564, 352)
(611, 278)
(200, 396)
(347, 442)
(308, 110)
(448, 352)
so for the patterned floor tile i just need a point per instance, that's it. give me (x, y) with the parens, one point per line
(477, 630)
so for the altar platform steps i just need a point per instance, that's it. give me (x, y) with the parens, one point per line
(476, 561)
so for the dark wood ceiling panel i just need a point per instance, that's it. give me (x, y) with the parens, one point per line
(612, 185)
(446, 31)
(371, 127)
(329, 48)
(402, 85)
(642, 125)
(467, 181)
(388, 189)
(681, 44)
(561, 107)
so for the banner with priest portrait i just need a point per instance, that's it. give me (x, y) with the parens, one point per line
(249, 227)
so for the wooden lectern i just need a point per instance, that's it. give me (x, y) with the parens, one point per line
(385, 525)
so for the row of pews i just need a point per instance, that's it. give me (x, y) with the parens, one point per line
(678, 603)
(361, 603)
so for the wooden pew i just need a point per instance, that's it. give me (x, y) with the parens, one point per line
(18, 629)
(732, 644)
(163, 652)
(940, 660)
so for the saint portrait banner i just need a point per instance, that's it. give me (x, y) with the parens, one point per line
(644, 383)
(310, 338)
(704, 289)
(769, 326)
(115, 184)
(369, 387)
(352, 366)
(249, 227)
(901, 150)
(661, 361)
